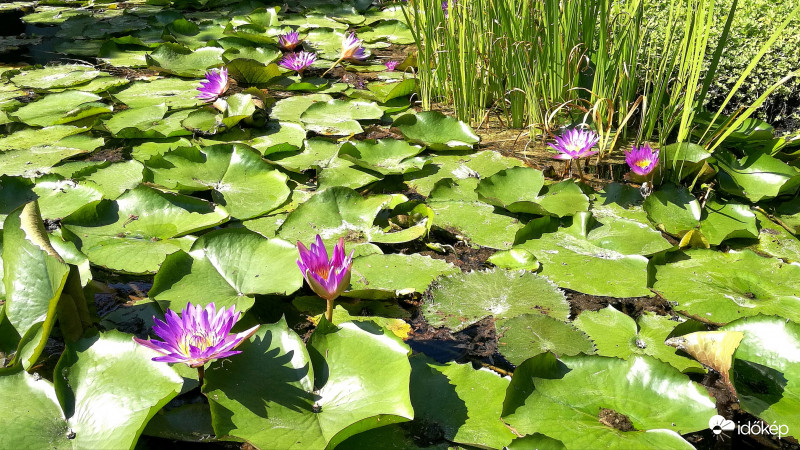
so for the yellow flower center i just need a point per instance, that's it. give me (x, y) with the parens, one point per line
(643, 163)
(198, 340)
(323, 272)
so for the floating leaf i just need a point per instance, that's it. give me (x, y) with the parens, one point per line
(459, 300)
(465, 404)
(616, 334)
(229, 267)
(134, 232)
(436, 131)
(757, 176)
(528, 335)
(722, 287)
(388, 276)
(54, 77)
(385, 156)
(238, 178)
(184, 62)
(311, 400)
(459, 167)
(577, 401)
(476, 222)
(106, 400)
(515, 259)
(673, 209)
(339, 117)
(62, 107)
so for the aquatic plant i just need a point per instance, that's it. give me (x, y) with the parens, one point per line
(328, 278)
(198, 336)
(298, 61)
(215, 84)
(391, 65)
(642, 160)
(289, 40)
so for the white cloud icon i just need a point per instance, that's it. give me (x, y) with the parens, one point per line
(718, 424)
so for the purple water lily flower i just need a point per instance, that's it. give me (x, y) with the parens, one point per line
(298, 61)
(289, 40)
(352, 49)
(215, 84)
(328, 278)
(199, 335)
(575, 144)
(391, 65)
(642, 160)
(445, 9)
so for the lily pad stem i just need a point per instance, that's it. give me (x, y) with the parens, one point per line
(334, 65)
(329, 311)
(201, 373)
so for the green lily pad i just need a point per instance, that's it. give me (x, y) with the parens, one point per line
(476, 222)
(30, 137)
(394, 31)
(31, 162)
(339, 117)
(112, 179)
(173, 92)
(385, 156)
(145, 122)
(389, 276)
(757, 176)
(515, 259)
(229, 267)
(62, 107)
(685, 159)
(459, 300)
(673, 209)
(34, 281)
(307, 401)
(134, 232)
(59, 197)
(97, 401)
(185, 62)
(722, 287)
(290, 109)
(459, 167)
(765, 370)
(465, 404)
(727, 221)
(278, 137)
(619, 223)
(528, 335)
(341, 172)
(775, 241)
(238, 178)
(616, 334)
(335, 212)
(604, 272)
(436, 131)
(251, 72)
(55, 77)
(567, 399)
(514, 189)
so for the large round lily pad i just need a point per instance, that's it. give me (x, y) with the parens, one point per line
(134, 232)
(239, 180)
(227, 267)
(528, 335)
(464, 403)
(387, 276)
(460, 300)
(722, 287)
(437, 131)
(581, 401)
(315, 398)
(385, 156)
